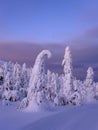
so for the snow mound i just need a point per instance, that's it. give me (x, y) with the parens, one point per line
(35, 107)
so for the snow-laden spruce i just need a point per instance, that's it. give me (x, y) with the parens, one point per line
(70, 90)
(36, 91)
(68, 76)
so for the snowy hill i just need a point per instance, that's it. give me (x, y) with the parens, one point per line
(63, 118)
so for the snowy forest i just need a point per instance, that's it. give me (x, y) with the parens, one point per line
(36, 87)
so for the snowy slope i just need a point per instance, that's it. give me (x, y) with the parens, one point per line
(63, 118)
(70, 118)
(13, 119)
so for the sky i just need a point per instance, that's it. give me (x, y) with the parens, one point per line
(46, 21)
(28, 26)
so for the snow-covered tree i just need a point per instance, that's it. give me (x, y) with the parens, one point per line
(96, 90)
(53, 93)
(9, 94)
(89, 85)
(90, 77)
(60, 98)
(24, 81)
(76, 97)
(37, 81)
(48, 84)
(24, 77)
(55, 88)
(8, 84)
(17, 76)
(68, 75)
(52, 86)
(5, 68)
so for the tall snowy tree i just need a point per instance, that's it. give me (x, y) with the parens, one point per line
(68, 75)
(37, 81)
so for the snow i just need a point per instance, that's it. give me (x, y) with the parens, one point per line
(13, 119)
(70, 118)
(61, 118)
(34, 107)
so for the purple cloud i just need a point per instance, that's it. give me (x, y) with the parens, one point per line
(89, 37)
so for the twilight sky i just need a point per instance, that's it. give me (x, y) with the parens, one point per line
(42, 21)
(28, 26)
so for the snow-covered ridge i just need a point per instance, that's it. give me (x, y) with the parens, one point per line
(37, 88)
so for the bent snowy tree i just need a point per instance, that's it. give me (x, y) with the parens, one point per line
(37, 85)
